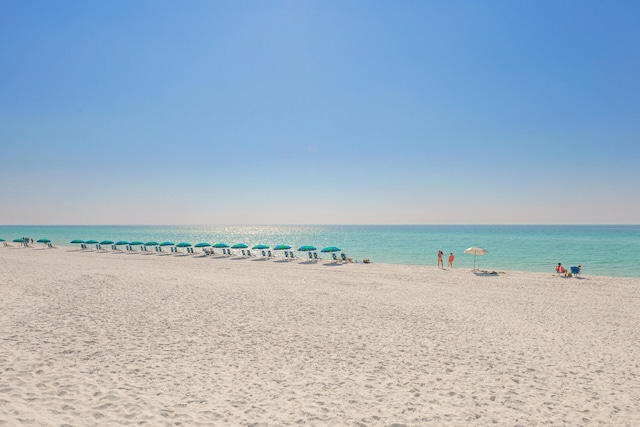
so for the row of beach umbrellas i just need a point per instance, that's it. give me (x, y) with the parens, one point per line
(305, 248)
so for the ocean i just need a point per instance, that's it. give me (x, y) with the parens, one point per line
(604, 250)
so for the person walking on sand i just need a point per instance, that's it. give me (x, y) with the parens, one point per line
(451, 257)
(440, 263)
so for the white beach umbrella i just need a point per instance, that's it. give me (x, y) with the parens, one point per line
(475, 251)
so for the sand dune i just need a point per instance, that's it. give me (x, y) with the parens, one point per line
(103, 339)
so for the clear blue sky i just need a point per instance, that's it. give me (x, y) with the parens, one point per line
(289, 112)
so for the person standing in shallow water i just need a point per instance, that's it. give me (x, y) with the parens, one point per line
(440, 263)
(451, 257)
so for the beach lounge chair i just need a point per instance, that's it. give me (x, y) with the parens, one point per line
(316, 257)
(249, 254)
(344, 258)
(335, 257)
(311, 256)
(269, 254)
(575, 271)
(292, 256)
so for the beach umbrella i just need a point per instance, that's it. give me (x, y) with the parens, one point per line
(475, 251)
(77, 241)
(121, 242)
(137, 243)
(44, 241)
(92, 242)
(183, 245)
(107, 242)
(2, 240)
(261, 246)
(330, 249)
(152, 243)
(282, 248)
(239, 246)
(19, 240)
(202, 245)
(167, 244)
(306, 248)
(220, 245)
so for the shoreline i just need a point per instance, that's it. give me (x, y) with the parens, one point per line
(325, 260)
(92, 340)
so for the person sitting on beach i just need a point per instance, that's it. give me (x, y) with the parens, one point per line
(366, 261)
(560, 269)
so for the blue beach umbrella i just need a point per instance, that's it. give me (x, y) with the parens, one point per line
(2, 240)
(220, 245)
(260, 247)
(77, 241)
(19, 240)
(330, 249)
(107, 242)
(121, 242)
(137, 243)
(152, 243)
(92, 242)
(306, 248)
(239, 246)
(202, 245)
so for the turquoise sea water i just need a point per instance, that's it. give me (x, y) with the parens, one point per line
(606, 250)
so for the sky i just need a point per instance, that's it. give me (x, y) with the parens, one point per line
(319, 112)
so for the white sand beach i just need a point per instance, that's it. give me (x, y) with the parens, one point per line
(104, 339)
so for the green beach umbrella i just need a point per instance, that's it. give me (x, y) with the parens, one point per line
(136, 243)
(43, 241)
(76, 241)
(330, 249)
(2, 240)
(92, 242)
(220, 245)
(152, 243)
(306, 248)
(282, 248)
(202, 245)
(107, 242)
(121, 242)
(167, 244)
(239, 246)
(261, 246)
(183, 245)
(19, 240)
